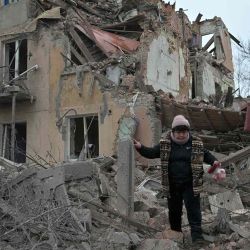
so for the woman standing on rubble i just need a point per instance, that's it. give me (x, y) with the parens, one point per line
(182, 156)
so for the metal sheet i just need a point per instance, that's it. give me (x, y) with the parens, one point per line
(109, 43)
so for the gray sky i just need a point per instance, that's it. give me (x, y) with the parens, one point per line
(235, 14)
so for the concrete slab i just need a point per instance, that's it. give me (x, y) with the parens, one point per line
(228, 200)
(155, 244)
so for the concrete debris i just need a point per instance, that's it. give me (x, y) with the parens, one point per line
(154, 244)
(229, 200)
(150, 185)
(240, 230)
(68, 203)
(171, 235)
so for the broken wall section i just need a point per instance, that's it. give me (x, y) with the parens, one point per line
(211, 63)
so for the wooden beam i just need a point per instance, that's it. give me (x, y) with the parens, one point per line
(81, 45)
(212, 50)
(237, 156)
(91, 10)
(235, 39)
(208, 44)
(198, 18)
(209, 122)
(77, 55)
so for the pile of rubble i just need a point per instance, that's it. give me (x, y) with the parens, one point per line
(109, 203)
(76, 206)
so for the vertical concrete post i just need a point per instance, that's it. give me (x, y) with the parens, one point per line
(13, 127)
(125, 177)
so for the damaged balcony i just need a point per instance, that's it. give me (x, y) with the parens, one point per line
(13, 75)
(22, 95)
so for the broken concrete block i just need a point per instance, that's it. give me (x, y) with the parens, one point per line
(111, 200)
(209, 238)
(104, 183)
(114, 73)
(145, 200)
(212, 246)
(156, 244)
(84, 216)
(114, 168)
(134, 239)
(171, 235)
(142, 217)
(85, 246)
(160, 220)
(241, 230)
(228, 200)
(118, 240)
(8, 248)
(234, 237)
(243, 243)
(139, 176)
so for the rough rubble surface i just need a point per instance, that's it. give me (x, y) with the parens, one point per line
(67, 207)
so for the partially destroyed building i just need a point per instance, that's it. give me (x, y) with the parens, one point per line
(80, 79)
(69, 71)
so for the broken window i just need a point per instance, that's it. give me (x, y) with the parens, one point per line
(83, 137)
(218, 94)
(194, 83)
(20, 142)
(15, 58)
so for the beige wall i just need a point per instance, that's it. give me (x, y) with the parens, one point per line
(34, 113)
(56, 94)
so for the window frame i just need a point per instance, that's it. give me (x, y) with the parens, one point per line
(17, 58)
(86, 138)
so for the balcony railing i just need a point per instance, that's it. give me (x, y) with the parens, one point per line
(8, 81)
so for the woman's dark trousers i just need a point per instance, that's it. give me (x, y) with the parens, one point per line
(178, 193)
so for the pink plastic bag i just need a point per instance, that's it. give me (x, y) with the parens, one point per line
(219, 174)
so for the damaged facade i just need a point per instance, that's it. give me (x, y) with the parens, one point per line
(80, 78)
(74, 72)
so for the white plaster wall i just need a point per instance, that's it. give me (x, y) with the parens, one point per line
(164, 69)
(225, 81)
(181, 63)
(208, 80)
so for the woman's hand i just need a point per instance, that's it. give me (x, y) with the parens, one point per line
(137, 144)
(215, 165)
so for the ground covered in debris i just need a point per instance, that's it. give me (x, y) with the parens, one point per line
(80, 204)
(74, 206)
